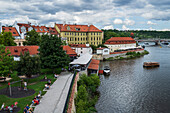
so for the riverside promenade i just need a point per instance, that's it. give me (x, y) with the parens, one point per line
(54, 100)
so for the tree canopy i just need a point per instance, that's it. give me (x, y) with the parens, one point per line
(29, 65)
(6, 61)
(32, 38)
(51, 53)
(7, 39)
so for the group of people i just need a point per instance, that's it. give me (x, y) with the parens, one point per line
(27, 109)
(47, 86)
(9, 108)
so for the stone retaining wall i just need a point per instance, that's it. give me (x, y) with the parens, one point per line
(71, 106)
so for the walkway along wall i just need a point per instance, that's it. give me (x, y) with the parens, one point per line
(71, 106)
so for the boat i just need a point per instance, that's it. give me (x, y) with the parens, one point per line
(106, 70)
(150, 64)
(165, 43)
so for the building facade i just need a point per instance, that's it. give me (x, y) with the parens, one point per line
(103, 51)
(116, 43)
(80, 34)
(81, 49)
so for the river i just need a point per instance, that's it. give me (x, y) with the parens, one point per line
(130, 88)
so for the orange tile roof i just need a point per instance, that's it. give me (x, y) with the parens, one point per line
(12, 30)
(40, 29)
(69, 51)
(52, 30)
(94, 64)
(25, 25)
(16, 50)
(77, 28)
(79, 45)
(120, 40)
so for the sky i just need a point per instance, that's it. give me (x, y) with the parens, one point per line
(104, 14)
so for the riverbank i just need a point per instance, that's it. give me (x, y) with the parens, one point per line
(128, 55)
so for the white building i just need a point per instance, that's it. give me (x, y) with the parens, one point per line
(81, 49)
(103, 51)
(116, 43)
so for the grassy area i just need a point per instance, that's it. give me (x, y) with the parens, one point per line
(22, 102)
(128, 55)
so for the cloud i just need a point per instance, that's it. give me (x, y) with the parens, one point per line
(108, 27)
(118, 21)
(129, 22)
(124, 27)
(151, 23)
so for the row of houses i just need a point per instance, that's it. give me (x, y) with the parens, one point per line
(71, 33)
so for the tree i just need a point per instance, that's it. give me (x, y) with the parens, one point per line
(51, 53)
(6, 61)
(29, 65)
(7, 39)
(32, 38)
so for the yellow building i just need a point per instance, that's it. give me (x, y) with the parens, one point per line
(80, 34)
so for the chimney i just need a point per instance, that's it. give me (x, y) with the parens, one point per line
(64, 22)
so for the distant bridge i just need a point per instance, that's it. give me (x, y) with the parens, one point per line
(156, 40)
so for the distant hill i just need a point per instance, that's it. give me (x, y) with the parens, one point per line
(140, 34)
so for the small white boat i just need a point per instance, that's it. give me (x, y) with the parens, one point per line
(106, 70)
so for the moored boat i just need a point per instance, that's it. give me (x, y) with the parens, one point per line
(106, 70)
(150, 64)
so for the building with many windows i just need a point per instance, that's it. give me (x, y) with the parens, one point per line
(80, 34)
(116, 43)
(81, 49)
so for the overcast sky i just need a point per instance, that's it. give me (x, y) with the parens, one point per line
(107, 14)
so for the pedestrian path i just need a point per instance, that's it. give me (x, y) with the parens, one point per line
(54, 100)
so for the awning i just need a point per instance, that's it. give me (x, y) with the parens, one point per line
(84, 59)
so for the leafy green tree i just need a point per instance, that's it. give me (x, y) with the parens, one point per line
(52, 54)
(29, 65)
(7, 39)
(6, 61)
(32, 38)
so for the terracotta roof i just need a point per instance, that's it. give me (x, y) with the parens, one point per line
(16, 50)
(12, 30)
(77, 28)
(79, 45)
(69, 51)
(40, 29)
(120, 40)
(94, 64)
(52, 30)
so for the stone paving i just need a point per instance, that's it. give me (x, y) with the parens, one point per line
(54, 100)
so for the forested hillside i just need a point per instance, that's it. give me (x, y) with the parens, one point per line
(137, 34)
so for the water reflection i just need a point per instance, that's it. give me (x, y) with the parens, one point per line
(130, 88)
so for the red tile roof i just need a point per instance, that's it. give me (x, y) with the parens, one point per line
(25, 25)
(94, 64)
(52, 30)
(12, 30)
(40, 29)
(120, 40)
(16, 50)
(79, 45)
(77, 28)
(69, 51)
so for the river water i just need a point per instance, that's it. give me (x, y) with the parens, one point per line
(130, 88)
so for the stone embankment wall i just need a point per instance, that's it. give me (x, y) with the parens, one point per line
(100, 57)
(71, 106)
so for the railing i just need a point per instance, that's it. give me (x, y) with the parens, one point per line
(69, 93)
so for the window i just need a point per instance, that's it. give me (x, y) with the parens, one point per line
(78, 39)
(35, 29)
(14, 32)
(15, 50)
(91, 33)
(68, 27)
(46, 30)
(19, 44)
(10, 29)
(75, 34)
(105, 51)
(94, 38)
(75, 39)
(81, 51)
(81, 48)
(81, 39)
(41, 29)
(91, 38)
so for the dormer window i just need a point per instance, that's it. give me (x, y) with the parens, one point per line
(35, 29)
(14, 32)
(45, 29)
(41, 29)
(3, 28)
(10, 29)
(77, 29)
(68, 27)
(23, 29)
(30, 28)
(15, 50)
